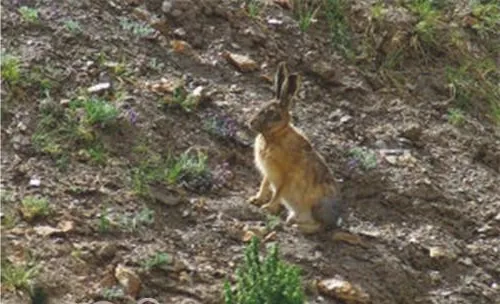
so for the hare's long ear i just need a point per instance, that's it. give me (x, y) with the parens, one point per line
(280, 77)
(288, 90)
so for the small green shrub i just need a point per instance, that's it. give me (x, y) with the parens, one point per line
(137, 28)
(29, 14)
(33, 207)
(185, 168)
(98, 111)
(268, 281)
(157, 260)
(254, 7)
(456, 117)
(365, 157)
(73, 26)
(11, 68)
(18, 277)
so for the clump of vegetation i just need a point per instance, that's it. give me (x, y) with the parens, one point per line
(113, 293)
(145, 217)
(137, 28)
(305, 12)
(29, 14)
(61, 130)
(18, 277)
(11, 68)
(366, 158)
(336, 12)
(73, 26)
(187, 169)
(33, 207)
(254, 7)
(456, 117)
(157, 260)
(223, 127)
(270, 280)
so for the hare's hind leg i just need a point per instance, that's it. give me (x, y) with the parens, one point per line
(264, 191)
(304, 220)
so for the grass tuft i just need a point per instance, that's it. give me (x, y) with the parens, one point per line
(29, 14)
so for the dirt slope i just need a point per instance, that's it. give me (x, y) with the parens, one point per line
(428, 220)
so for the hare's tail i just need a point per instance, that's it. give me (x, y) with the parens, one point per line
(330, 211)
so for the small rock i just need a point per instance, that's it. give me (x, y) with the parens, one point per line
(241, 62)
(129, 280)
(343, 290)
(21, 126)
(345, 118)
(180, 32)
(440, 252)
(64, 102)
(35, 182)
(180, 46)
(99, 87)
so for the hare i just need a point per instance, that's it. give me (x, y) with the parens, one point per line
(293, 171)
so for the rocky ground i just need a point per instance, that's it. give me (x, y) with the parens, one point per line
(92, 203)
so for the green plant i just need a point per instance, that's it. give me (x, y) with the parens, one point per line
(254, 7)
(29, 14)
(456, 117)
(11, 68)
(33, 207)
(158, 259)
(113, 293)
(145, 217)
(169, 169)
(137, 28)
(272, 222)
(366, 157)
(428, 20)
(73, 26)
(18, 276)
(336, 12)
(98, 111)
(104, 222)
(268, 281)
(305, 13)
(488, 18)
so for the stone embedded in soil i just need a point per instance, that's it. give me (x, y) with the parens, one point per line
(241, 62)
(343, 290)
(99, 87)
(129, 280)
(438, 252)
(62, 228)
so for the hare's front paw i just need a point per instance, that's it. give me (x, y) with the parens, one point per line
(271, 208)
(255, 200)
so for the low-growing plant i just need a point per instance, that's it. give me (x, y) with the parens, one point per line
(269, 280)
(335, 12)
(99, 111)
(224, 127)
(113, 293)
(73, 26)
(137, 28)
(11, 68)
(254, 7)
(185, 169)
(145, 217)
(33, 207)
(29, 14)
(456, 117)
(305, 12)
(367, 158)
(18, 277)
(157, 260)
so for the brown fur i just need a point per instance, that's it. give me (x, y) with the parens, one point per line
(293, 172)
